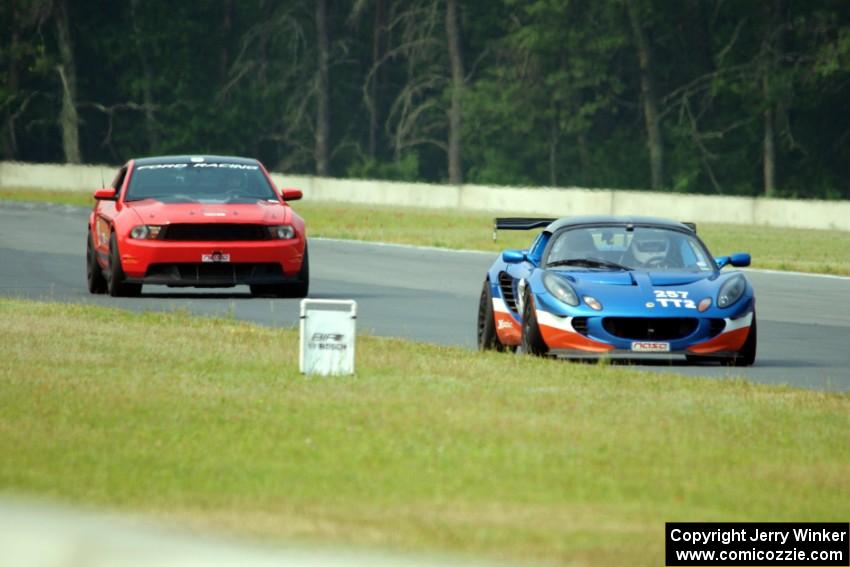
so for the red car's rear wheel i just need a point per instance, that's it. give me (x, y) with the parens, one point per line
(94, 275)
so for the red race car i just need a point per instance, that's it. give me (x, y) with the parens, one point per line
(200, 221)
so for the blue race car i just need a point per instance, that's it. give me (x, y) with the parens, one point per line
(617, 287)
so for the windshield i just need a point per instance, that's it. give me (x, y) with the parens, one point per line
(204, 182)
(616, 248)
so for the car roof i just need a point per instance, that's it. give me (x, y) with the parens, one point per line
(189, 159)
(591, 220)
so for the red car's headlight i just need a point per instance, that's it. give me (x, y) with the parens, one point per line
(146, 232)
(282, 232)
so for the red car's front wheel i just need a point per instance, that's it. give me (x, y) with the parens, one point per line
(297, 289)
(115, 283)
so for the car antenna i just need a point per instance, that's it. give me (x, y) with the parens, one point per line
(102, 182)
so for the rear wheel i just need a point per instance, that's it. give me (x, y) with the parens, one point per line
(297, 289)
(116, 283)
(488, 339)
(532, 340)
(747, 355)
(94, 275)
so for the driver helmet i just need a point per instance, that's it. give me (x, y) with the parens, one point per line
(649, 246)
(579, 243)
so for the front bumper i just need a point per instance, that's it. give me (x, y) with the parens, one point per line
(707, 339)
(586, 337)
(183, 263)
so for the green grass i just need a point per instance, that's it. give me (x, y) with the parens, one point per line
(208, 422)
(822, 251)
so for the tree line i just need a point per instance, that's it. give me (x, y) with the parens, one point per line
(728, 97)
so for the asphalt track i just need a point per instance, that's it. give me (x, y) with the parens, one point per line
(422, 294)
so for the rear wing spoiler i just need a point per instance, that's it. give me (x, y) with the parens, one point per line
(520, 223)
(530, 223)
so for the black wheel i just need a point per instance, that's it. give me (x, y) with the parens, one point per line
(116, 284)
(487, 337)
(94, 275)
(297, 289)
(532, 340)
(747, 355)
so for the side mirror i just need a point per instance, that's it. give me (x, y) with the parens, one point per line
(105, 194)
(514, 256)
(740, 259)
(291, 194)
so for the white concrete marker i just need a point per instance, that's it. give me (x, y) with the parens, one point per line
(328, 330)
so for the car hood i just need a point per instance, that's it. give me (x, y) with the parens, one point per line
(261, 212)
(633, 277)
(629, 291)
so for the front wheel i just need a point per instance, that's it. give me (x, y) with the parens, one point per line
(116, 284)
(747, 355)
(488, 339)
(532, 340)
(298, 289)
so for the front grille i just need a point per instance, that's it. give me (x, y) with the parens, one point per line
(216, 232)
(580, 325)
(213, 272)
(649, 328)
(506, 285)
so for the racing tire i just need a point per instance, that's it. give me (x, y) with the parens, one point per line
(747, 355)
(94, 275)
(532, 341)
(298, 289)
(488, 339)
(115, 283)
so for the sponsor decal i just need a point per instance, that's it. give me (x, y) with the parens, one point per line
(202, 165)
(163, 166)
(673, 298)
(502, 324)
(327, 341)
(224, 166)
(215, 214)
(649, 346)
(215, 257)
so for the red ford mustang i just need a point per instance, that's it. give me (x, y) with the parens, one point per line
(202, 221)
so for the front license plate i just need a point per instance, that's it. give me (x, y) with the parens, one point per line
(215, 257)
(646, 346)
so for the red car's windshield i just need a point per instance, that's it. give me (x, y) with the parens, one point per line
(205, 182)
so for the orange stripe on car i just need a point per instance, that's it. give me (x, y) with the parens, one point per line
(731, 341)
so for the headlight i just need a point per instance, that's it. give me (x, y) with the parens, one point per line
(593, 303)
(282, 232)
(560, 289)
(731, 291)
(146, 232)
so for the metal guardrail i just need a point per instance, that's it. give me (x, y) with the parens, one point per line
(511, 200)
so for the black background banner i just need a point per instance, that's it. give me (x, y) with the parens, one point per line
(757, 543)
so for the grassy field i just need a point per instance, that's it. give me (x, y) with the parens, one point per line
(823, 251)
(207, 422)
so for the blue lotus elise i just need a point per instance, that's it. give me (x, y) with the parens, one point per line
(618, 287)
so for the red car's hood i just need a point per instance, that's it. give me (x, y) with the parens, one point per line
(261, 212)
